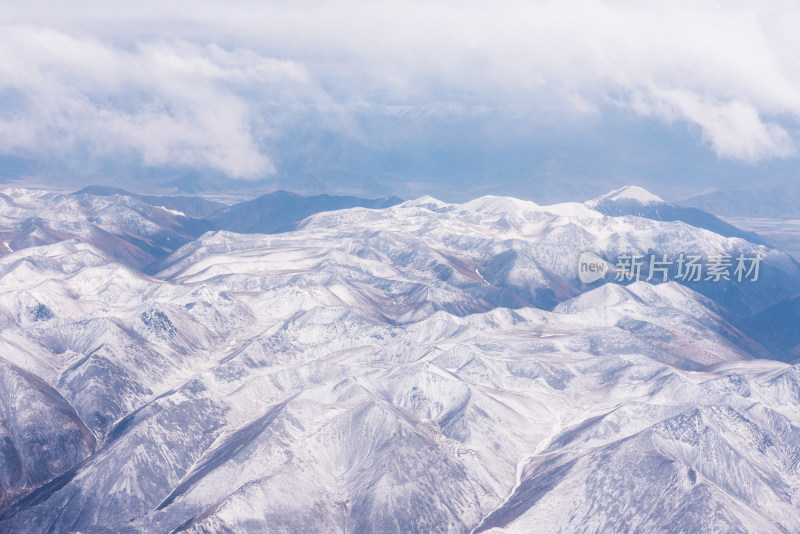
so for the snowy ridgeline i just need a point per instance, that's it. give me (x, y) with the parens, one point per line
(422, 368)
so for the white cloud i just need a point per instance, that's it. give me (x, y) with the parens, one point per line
(733, 128)
(173, 103)
(100, 73)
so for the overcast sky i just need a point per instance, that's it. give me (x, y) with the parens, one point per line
(227, 88)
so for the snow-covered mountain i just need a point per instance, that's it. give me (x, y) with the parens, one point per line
(426, 367)
(281, 211)
(138, 230)
(633, 200)
(127, 229)
(195, 207)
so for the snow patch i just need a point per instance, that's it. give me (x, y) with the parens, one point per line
(174, 212)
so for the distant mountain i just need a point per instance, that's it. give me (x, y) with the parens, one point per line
(281, 211)
(632, 200)
(629, 193)
(133, 232)
(194, 206)
(138, 230)
(774, 203)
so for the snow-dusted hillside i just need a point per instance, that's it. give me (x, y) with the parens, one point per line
(512, 252)
(422, 368)
(137, 230)
(129, 230)
(632, 200)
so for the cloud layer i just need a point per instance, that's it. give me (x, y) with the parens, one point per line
(197, 83)
(172, 103)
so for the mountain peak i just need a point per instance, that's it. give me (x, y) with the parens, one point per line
(629, 192)
(499, 204)
(427, 201)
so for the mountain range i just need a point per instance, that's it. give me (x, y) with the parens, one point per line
(389, 367)
(139, 229)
